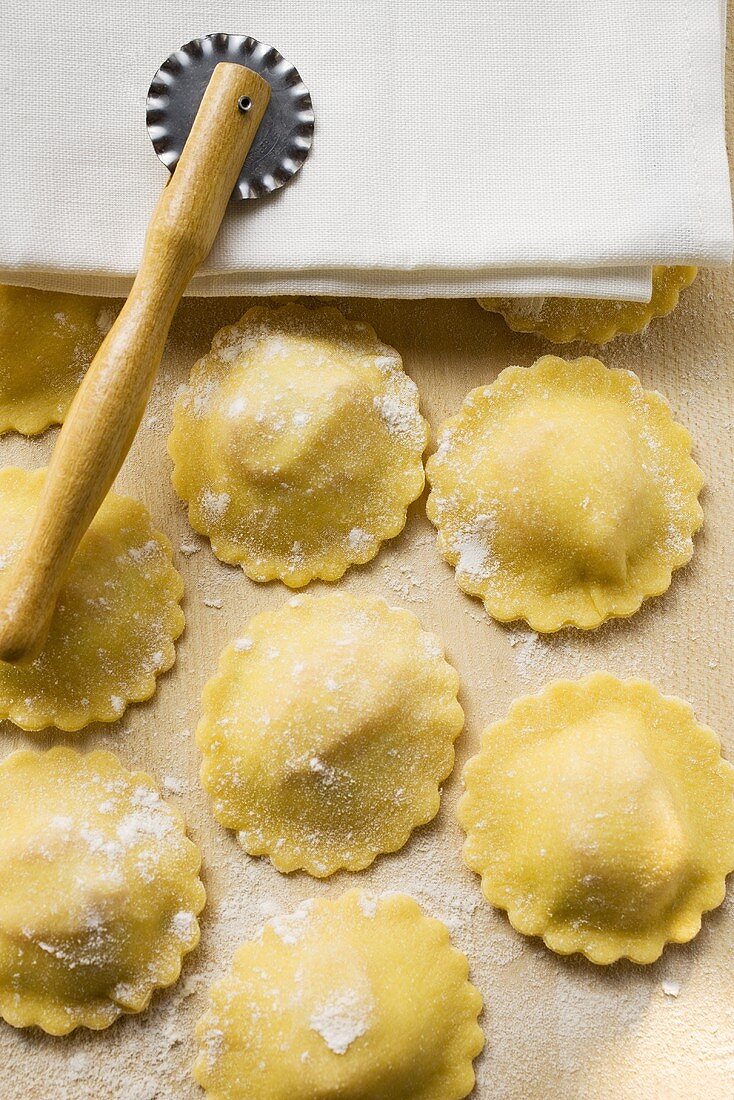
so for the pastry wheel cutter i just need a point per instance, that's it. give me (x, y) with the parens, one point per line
(235, 121)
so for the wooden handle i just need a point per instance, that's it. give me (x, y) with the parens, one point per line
(110, 403)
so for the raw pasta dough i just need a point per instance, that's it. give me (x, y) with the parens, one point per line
(47, 341)
(563, 319)
(327, 732)
(100, 890)
(564, 494)
(115, 621)
(362, 997)
(298, 444)
(600, 815)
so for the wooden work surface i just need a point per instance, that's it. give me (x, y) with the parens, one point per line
(555, 1028)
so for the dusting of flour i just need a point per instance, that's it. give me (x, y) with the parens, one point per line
(342, 1018)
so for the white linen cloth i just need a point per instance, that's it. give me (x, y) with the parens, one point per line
(461, 148)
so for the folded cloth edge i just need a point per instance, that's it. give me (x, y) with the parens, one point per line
(624, 283)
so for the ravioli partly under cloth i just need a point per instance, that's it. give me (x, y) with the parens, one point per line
(100, 890)
(115, 622)
(327, 732)
(298, 444)
(564, 494)
(600, 815)
(47, 341)
(596, 320)
(361, 997)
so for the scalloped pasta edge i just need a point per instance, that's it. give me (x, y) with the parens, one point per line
(468, 1041)
(600, 330)
(284, 854)
(600, 948)
(328, 566)
(72, 720)
(585, 612)
(59, 1020)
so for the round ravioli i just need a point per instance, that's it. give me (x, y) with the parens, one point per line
(600, 815)
(361, 997)
(327, 732)
(100, 890)
(47, 341)
(595, 320)
(564, 494)
(298, 444)
(115, 621)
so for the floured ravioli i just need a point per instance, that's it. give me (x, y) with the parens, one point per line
(597, 321)
(600, 815)
(115, 622)
(564, 494)
(47, 341)
(100, 890)
(298, 444)
(327, 732)
(361, 997)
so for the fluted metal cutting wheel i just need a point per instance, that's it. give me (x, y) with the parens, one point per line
(285, 135)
